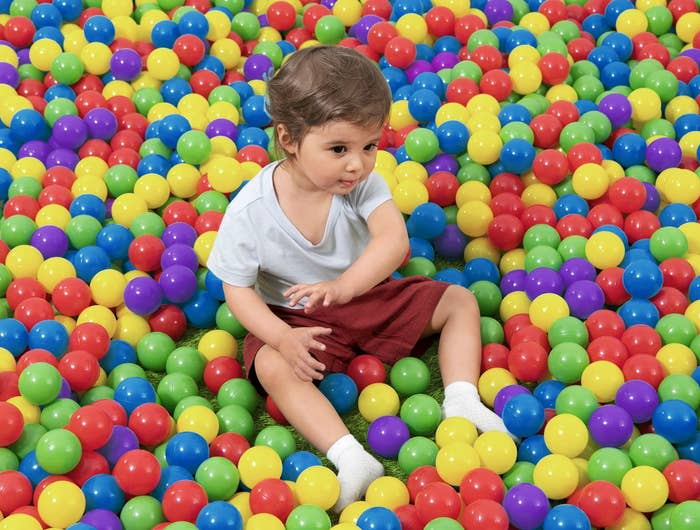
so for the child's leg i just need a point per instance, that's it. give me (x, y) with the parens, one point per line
(459, 355)
(310, 413)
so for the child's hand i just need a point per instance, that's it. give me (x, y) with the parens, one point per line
(321, 293)
(295, 346)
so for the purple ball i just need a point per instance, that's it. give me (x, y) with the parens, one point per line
(102, 519)
(65, 392)
(9, 75)
(543, 280)
(418, 67)
(179, 254)
(526, 506)
(179, 232)
(121, 441)
(101, 123)
(663, 153)
(23, 57)
(69, 131)
(450, 244)
(504, 394)
(143, 295)
(638, 398)
(36, 149)
(125, 64)
(178, 283)
(576, 269)
(258, 66)
(386, 435)
(617, 108)
(442, 162)
(653, 198)
(584, 297)
(62, 157)
(444, 60)
(498, 10)
(513, 281)
(222, 127)
(693, 53)
(610, 426)
(361, 28)
(50, 240)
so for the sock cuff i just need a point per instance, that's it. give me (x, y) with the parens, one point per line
(341, 446)
(462, 388)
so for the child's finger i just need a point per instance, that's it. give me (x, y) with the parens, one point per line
(318, 330)
(314, 363)
(316, 345)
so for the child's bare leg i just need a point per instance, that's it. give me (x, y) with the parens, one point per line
(459, 355)
(310, 413)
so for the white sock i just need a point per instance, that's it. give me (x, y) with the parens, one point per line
(462, 399)
(357, 469)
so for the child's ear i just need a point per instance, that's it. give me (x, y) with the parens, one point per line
(285, 139)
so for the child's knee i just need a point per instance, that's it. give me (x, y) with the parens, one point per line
(462, 298)
(269, 366)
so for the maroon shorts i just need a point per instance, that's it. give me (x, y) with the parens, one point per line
(387, 321)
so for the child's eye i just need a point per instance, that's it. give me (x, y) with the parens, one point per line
(338, 149)
(370, 147)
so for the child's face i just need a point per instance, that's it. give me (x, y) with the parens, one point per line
(334, 157)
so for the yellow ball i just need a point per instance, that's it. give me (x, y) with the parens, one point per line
(28, 167)
(523, 54)
(526, 78)
(30, 412)
(632, 22)
(20, 521)
(484, 147)
(604, 250)
(561, 93)
(264, 521)
(603, 378)
(53, 270)
(348, 11)
(483, 121)
(127, 207)
(590, 181)
(199, 419)
(43, 52)
(535, 23)
(645, 489)
(680, 106)
(512, 260)
(53, 214)
(678, 185)
(483, 103)
(345, 526)
(385, 160)
(451, 112)
(455, 460)
(556, 475)
(377, 399)
(183, 179)
(677, 359)
(455, 429)
(74, 42)
(99, 315)
(162, 64)
(409, 194)
(492, 381)
(115, 8)
(91, 166)
(223, 109)
(514, 303)
(96, 56)
(497, 451)
(23, 261)
(153, 189)
(565, 434)
(107, 288)
(217, 343)
(61, 504)
(546, 309)
(224, 174)
(410, 170)
(691, 231)
(389, 492)
(539, 193)
(203, 245)
(317, 485)
(472, 190)
(219, 27)
(117, 88)
(646, 104)
(473, 218)
(7, 361)
(481, 247)
(687, 26)
(631, 520)
(131, 328)
(258, 463)
(11, 106)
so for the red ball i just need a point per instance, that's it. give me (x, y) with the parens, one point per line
(554, 11)
(506, 231)
(253, 153)
(19, 31)
(527, 361)
(59, 175)
(378, 36)
(55, 194)
(554, 68)
(610, 281)
(684, 68)
(507, 203)
(189, 49)
(35, 355)
(124, 156)
(546, 129)
(677, 273)
(603, 503)
(608, 349)
(134, 122)
(151, 424)
(11, 424)
(21, 289)
(179, 211)
(203, 82)
(272, 495)
(400, 52)
(91, 463)
(529, 333)
(640, 225)
(33, 310)
(419, 478)
(605, 323)
(506, 183)
(670, 300)
(274, 411)
(408, 517)
(71, 296)
(219, 370)
(487, 57)
(208, 221)
(8, 385)
(644, 367)
(442, 188)
(169, 319)
(550, 166)
(21, 205)
(627, 194)
(641, 339)
(479, 484)
(381, 8)
(440, 21)
(145, 252)
(496, 83)
(15, 491)
(461, 90)
(514, 324)
(230, 445)
(564, 111)
(683, 477)
(494, 356)
(484, 513)
(137, 472)
(97, 147)
(92, 425)
(183, 501)
(114, 411)
(583, 153)
(91, 337)
(574, 224)
(80, 369)
(366, 369)
(538, 214)
(605, 214)
(313, 14)
(281, 15)
(437, 499)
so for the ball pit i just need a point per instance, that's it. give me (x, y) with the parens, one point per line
(545, 156)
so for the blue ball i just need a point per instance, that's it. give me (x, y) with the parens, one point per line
(340, 390)
(421, 248)
(30, 468)
(215, 287)
(523, 415)
(164, 33)
(378, 518)
(447, 43)
(252, 136)
(88, 204)
(244, 89)
(119, 352)
(630, 150)
(676, 421)
(427, 221)
(219, 515)
(28, 124)
(547, 391)
(171, 127)
(13, 336)
(424, 104)
(187, 449)
(566, 517)
(201, 309)
(49, 335)
(570, 204)
(517, 156)
(450, 275)
(59, 91)
(638, 311)
(690, 450)
(694, 289)
(99, 28)
(596, 25)
(395, 78)
(297, 462)
(642, 279)
(115, 239)
(46, 15)
(514, 112)
(69, 9)
(90, 260)
(168, 476)
(677, 214)
(173, 90)
(533, 449)
(103, 493)
(453, 137)
(615, 74)
(520, 37)
(134, 391)
(195, 23)
(603, 56)
(153, 164)
(620, 43)
(481, 269)
(255, 113)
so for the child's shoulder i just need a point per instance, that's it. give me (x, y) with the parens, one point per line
(252, 192)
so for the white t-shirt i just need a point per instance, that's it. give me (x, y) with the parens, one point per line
(257, 245)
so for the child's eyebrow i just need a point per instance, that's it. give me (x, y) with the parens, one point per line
(372, 140)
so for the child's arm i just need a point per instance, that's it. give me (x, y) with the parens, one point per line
(384, 253)
(293, 343)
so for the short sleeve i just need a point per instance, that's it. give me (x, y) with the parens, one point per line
(234, 258)
(369, 194)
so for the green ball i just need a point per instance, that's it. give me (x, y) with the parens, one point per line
(58, 451)
(567, 361)
(57, 414)
(610, 464)
(419, 266)
(641, 173)
(147, 223)
(681, 387)
(194, 146)
(97, 393)
(308, 517)
(227, 321)
(186, 360)
(39, 383)
(67, 68)
(28, 186)
(120, 179)
(588, 87)
(124, 371)
(422, 145)
(29, 71)
(57, 108)
(190, 401)
(491, 331)
(565, 187)
(443, 523)
(173, 387)
(270, 50)
(668, 242)
(26, 443)
(584, 68)
(238, 391)
(219, 477)
(5, 278)
(234, 418)
(277, 438)
(153, 349)
(658, 127)
(488, 296)
(422, 414)
(660, 19)
(575, 133)
(225, 93)
(686, 516)
(652, 450)
(409, 376)
(664, 83)
(473, 171)
(600, 124)
(141, 513)
(145, 98)
(415, 452)
(542, 256)
(211, 201)
(82, 231)
(576, 400)
(246, 25)
(154, 146)
(676, 328)
(642, 70)
(567, 30)
(661, 519)
(159, 453)
(517, 130)
(541, 235)
(8, 460)
(17, 230)
(181, 525)
(521, 473)
(568, 329)
(482, 37)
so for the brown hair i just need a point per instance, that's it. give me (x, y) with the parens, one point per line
(326, 83)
